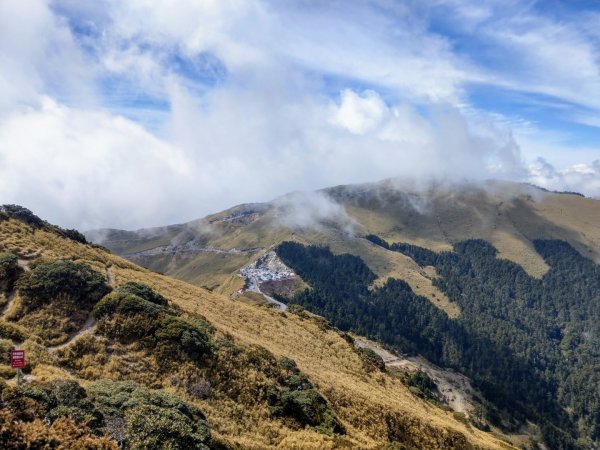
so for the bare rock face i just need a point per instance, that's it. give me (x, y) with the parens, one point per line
(281, 287)
(268, 275)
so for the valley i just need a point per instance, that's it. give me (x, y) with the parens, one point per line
(377, 324)
(510, 217)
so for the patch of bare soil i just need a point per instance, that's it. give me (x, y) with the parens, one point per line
(455, 388)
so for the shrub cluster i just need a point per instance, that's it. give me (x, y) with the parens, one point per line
(371, 360)
(136, 313)
(9, 271)
(12, 332)
(421, 384)
(134, 416)
(24, 215)
(48, 281)
(299, 400)
(51, 401)
(143, 291)
(150, 418)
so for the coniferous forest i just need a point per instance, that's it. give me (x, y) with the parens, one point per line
(531, 346)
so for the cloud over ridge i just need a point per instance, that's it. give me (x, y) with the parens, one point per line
(135, 113)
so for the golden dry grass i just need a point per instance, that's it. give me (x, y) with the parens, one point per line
(509, 219)
(365, 402)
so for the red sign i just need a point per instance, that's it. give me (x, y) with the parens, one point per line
(17, 359)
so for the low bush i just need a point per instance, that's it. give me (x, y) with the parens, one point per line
(143, 291)
(77, 282)
(371, 360)
(6, 372)
(6, 346)
(296, 309)
(130, 318)
(51, 401)
(22, 214)
(306, 407)
(150, 418)
(16, 434)
(192, 336)
(74, 235)
(124, 303)
(9, 271)
(421, 384)
(137, 417)
(299, 400)
(163, 428)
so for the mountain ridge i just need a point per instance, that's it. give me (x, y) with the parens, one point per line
(508, 215)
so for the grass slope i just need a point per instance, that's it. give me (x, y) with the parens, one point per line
(373, 407)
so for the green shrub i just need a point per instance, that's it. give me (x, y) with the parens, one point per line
(80, 415)
(22, 214)
(371, 359)
(62, 434)
(128, 329)
(26, 216)
(23, 408)
(67, 392)
(191, 335)
(37, 393)
(52, 401)
(62, 278)
(298, 381)
(143, 291)
(114, 397)
(421, 384)
(307, 407)
(128, 317)
(296, 309)
(288, 364)
(299, 400)
(110, 396)
(154, 419)
(73, 234)
(9, 271)
(6, 346)
(124, 303)
(162, 428)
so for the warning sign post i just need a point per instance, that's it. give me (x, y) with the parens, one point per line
(17, 361)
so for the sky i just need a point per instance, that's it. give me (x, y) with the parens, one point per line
(137, 113)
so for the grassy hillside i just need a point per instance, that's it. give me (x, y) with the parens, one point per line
(260, 378)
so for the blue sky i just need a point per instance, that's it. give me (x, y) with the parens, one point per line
(134, 113)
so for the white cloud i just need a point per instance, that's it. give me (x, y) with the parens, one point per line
(359, 113)
(301, 210)
(79, 167)
(38, 54)
(582, 178)
(268, 125)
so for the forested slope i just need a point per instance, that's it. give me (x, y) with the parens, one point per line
(530, 345)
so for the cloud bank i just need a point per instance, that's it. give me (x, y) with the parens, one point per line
(135, 113)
